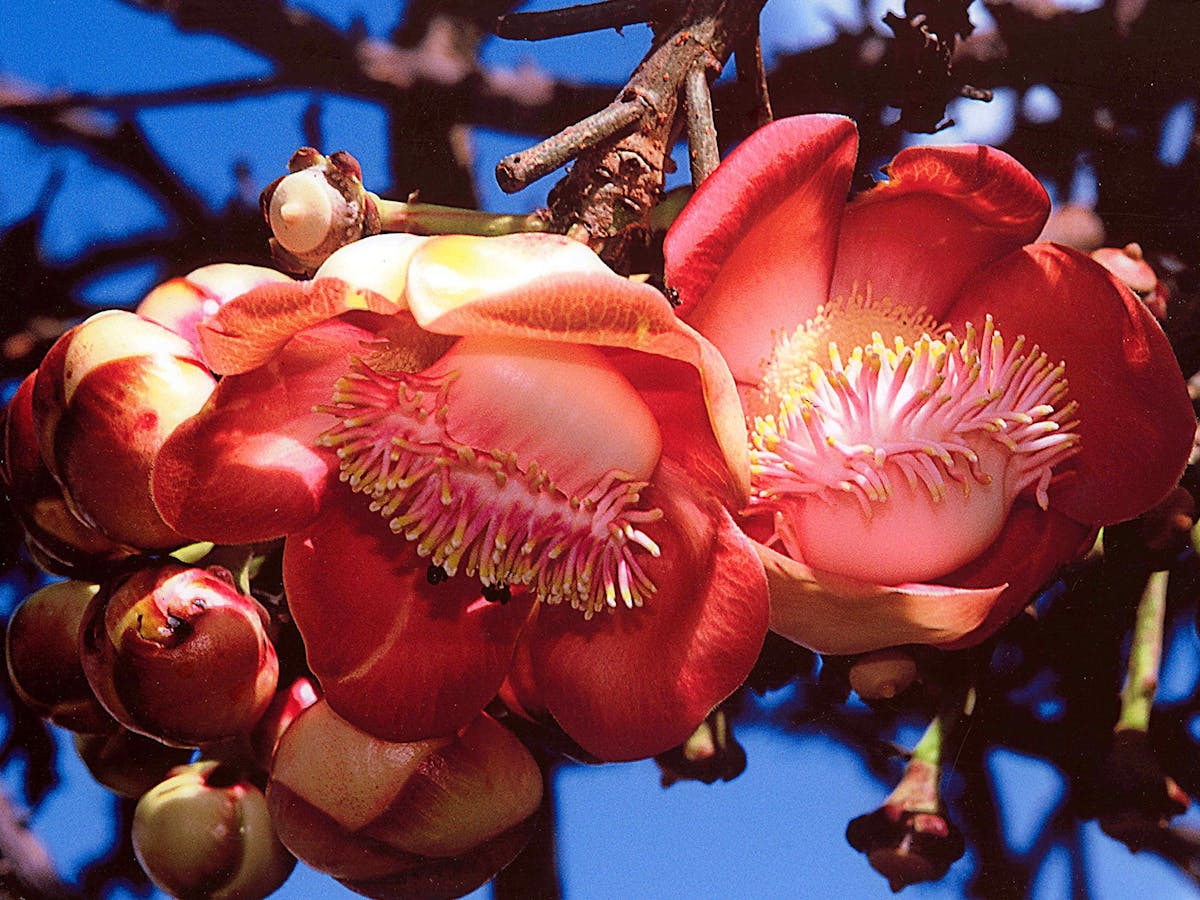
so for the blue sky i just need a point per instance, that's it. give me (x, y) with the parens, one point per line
(774, 832)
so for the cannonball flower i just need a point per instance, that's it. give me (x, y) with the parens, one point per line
(466, 440)
(940, 411)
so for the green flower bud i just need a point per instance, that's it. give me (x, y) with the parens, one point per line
(205, 832)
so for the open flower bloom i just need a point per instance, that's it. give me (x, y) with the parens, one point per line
(940, 412)
(467, 439)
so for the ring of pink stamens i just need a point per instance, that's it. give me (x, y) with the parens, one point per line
(916, 410)
(480, 511)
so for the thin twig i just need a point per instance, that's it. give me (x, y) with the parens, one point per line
(518, 170)
(539, 26)
(702, 134)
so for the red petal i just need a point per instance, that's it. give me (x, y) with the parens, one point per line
(1030, 549)
(672, 391)
(944, 213)
(1133, 403)
(751, 255)
(831, 614)
(248, 330)
(637, 682)
(396, 656)
(246, 467)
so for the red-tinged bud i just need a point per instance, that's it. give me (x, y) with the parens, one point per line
(107, 395)
(433, 818)
(126, 763)
(182, 303)
(1132, 796)
(711, 754)
(288, 703)
(205, 832)
(43, 657)
(58, 540)
(179, 654)
(910, 839)
(1130, 266)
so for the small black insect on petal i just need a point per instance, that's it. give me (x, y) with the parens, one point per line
(436, 575)
(497, 593)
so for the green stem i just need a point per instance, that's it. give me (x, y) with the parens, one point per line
(1145, 656)
(430, 218)
(929, 748)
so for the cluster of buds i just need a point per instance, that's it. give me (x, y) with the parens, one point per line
(166, 665)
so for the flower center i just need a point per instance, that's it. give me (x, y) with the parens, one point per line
(901, 461)
(482, 511)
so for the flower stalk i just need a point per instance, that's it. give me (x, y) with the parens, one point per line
(1145, 656)
(432, 218)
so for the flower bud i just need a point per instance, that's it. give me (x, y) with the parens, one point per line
(1132, 796)
(205, 832)
(321, 206)
(58, 540)
(43, 657)
(179, 654)
(711, 754)
(430, 818)
(910, 838)
(883, 674)
(182, 303)
(1129, 265)
(126, 763)
(108, 394)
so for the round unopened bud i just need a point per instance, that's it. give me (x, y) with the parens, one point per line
(126, 763)
(321, 206)
(205, 832)
(883, 674)
(58, 540)
(1129, 264)
(43, 657)
(183, 303)
(1074, 225)
(430, 818)
(107, 396)
(179, 654)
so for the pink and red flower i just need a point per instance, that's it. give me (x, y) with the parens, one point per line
(437, 424)
(940, 412)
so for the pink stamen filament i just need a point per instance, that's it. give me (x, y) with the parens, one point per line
(479, 511)
(915, 410)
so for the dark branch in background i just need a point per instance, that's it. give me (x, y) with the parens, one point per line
(752, 78)
(583, 18)
(606, 198)
(922, 77)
